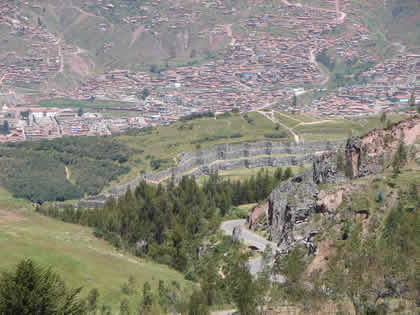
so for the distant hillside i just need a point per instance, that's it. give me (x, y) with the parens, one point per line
(397, 20)
(72, 167)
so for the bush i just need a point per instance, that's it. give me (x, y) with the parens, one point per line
(280, 135)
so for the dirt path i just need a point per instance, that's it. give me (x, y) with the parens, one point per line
(341, 16)
(313, 122)
(136, 34)
(68, 173)
(270, 116)
(61, 55)
(288, 117)
(228, 29)
(2, 78)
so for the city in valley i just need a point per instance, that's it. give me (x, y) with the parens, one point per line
(283, 61)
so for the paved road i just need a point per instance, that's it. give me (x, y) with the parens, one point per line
(250, 239)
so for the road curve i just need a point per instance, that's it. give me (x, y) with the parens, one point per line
(251, 239)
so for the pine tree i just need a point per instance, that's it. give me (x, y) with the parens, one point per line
(92, 299)
(32, 289)
(124, 307)
(147, 301)
(340, 161)
(288, 173)
(197, 304)
(5, 127)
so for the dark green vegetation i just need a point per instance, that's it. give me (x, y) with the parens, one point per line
(169, 222)
(61, 169)
(344, 73)
(32, 289)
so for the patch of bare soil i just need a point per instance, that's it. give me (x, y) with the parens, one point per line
(320, 262)
(9, 216)
(79, 65)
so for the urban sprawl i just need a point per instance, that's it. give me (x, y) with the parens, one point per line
(260, 68)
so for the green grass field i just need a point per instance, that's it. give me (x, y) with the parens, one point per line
(166, 143)
(73, 252)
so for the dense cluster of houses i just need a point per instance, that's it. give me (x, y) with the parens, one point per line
(264, 66)
(36, 123)
(392, 84)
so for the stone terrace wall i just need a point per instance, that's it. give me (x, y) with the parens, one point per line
(224, 157)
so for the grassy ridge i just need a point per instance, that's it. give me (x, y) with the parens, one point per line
(73, 251)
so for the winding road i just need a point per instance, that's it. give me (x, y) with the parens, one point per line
(250, 239)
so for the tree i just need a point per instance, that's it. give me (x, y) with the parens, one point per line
(5, 128)
(197, 304)
(80, 112)
(147, 301)
(288, 173)
(145, 93)
(294, 101)
(92, 299)
(32, 289)
(154, 68)
(124, 307)
(399, 159)
(278, 174)
(246, 291)
(340, 161)
(193, 53)
(412, 101)
(383, 118)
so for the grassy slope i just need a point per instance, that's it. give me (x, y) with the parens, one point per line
(166, 142)
(72, 250)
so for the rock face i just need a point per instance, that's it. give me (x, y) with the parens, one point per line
(290, 206)
(325, 169)
(369, 154)
(222, 157)
(237, 234)
(294, 201)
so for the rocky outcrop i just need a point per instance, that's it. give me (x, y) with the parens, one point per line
(294, 201)
(290, 206)
(325, 169)
(371, 153)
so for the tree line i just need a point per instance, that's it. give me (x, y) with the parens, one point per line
(168, 222)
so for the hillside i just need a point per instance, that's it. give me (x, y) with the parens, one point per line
(171, 58)
(71, 250)
(343, 232)
(352, 223)
(71, 168)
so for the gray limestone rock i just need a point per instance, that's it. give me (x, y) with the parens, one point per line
(237, 233)
(290, 206)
